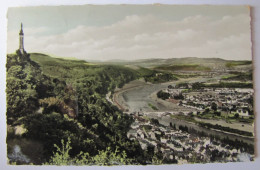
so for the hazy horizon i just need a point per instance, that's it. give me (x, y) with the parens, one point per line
(133, 32)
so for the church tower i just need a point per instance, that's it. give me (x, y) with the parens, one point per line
(21, 36)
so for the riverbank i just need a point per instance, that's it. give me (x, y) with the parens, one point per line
(118, 99)
(136, 96)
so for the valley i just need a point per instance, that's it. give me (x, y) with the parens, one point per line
(84, 102)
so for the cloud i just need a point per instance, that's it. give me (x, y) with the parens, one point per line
(147, 36)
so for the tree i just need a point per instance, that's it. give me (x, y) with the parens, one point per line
(179, 96)
(214, 106)
(163, 95)
(206, 111)
(155, 121)
(61, 156)
(197, 85)
(217, 113)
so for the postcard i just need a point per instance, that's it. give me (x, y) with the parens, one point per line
(129, 85)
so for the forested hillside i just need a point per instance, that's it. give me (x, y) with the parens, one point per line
(56, 99)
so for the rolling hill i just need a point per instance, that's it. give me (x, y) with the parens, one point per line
(187, 63)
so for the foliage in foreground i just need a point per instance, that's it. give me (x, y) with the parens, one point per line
(103, 158)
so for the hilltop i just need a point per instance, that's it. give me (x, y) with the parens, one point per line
(186, 64)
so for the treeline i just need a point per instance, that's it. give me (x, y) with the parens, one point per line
(57, 99)
(198, 85)
(226, 129)
(154, 76)
(184, 67)
(237, 63)
(239, 76)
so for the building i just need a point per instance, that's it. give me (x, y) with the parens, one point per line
(243, 112)
(21, 40)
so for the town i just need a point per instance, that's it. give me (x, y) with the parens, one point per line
(176, 145)
(231, 101)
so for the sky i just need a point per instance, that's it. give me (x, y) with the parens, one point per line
(130, 32)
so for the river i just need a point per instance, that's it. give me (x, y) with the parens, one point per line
(25, 151)
(139, 97)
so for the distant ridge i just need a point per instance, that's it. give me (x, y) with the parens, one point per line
(164, 60)
(169, 63)
(155, 62)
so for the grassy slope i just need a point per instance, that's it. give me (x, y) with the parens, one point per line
(55, 67)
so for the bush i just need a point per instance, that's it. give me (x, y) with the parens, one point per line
(104, 157)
